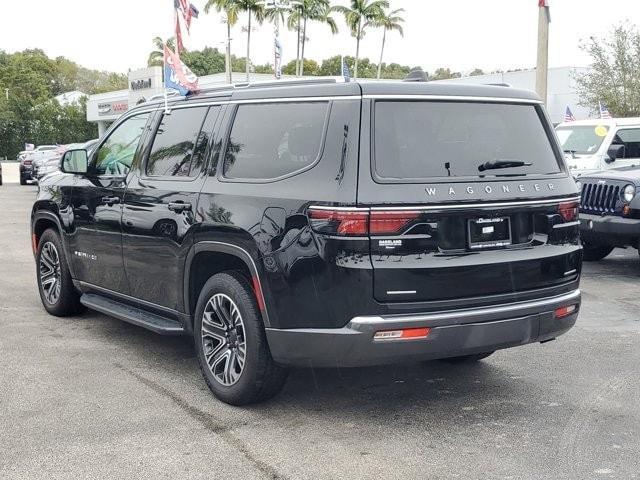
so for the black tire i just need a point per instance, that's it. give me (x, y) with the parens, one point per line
(468, 358)
(67, 301)
(259, 378)
(593, 253)
(23, 181)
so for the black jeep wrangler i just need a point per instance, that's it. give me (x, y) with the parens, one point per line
(319, 224)
(610, 211)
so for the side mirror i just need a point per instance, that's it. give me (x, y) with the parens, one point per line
(614, 152)
(75, 161)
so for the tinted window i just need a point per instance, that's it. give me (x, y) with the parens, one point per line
(422, 140)
(630, 138)
(115, 155)
(180, 143)
(272, 140)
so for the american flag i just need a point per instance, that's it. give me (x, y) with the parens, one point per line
(604, 111)
(345, 70)
(568, 115)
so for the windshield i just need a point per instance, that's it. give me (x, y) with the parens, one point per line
(420, 140)
(582, 139)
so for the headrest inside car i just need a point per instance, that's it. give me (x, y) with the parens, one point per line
(303, 141)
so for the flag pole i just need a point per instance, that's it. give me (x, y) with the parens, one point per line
(542, 65)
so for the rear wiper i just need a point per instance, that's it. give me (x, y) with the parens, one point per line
(496, 164)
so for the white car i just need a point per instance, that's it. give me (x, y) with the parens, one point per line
(593, 145)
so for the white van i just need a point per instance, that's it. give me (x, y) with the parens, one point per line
(593, 145)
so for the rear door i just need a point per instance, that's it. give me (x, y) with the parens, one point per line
(160, 204)
(442, 227)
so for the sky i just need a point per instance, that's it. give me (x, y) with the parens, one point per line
(116, 35)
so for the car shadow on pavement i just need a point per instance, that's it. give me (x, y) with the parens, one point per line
(400, 389)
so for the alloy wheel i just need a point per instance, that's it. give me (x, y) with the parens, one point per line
(223, 339)
(50, 273)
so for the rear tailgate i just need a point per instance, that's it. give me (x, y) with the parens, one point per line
(442, 230)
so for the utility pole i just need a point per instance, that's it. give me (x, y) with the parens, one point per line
(542, 65)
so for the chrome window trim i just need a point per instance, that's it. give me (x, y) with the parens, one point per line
(480, 205)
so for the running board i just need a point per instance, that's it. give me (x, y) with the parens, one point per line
(133, 315)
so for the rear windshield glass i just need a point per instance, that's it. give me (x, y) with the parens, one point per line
(582, 139)
(420, 140)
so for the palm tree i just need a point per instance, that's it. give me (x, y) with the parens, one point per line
(156, 57)
(389, 22)
(254, 8)
(231, 10)
(318, 11)
(359, 16)
(309, 10)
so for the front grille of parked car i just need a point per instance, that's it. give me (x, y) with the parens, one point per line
(600, 198)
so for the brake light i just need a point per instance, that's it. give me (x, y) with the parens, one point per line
(568, 211)
(565, 311)
(340, 222)
(390, 222)
(359, 222)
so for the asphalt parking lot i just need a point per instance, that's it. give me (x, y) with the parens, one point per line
(92, 397)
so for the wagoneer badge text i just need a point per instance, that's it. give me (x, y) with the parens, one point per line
(472, 189)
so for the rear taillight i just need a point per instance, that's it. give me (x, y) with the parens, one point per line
(359, 222)
(568, 211)
(389, 222)
(339, 222)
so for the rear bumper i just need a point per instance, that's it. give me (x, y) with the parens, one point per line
(453, 333)
(608, 230)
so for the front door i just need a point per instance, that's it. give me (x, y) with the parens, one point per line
(630, 138)
(159, 214)
(96, 242)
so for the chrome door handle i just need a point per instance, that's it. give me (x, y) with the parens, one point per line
(109, 201)
(179, 206)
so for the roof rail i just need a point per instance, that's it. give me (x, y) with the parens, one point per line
(169, 93)
(268, 84)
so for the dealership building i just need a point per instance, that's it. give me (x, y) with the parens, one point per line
(104, 108)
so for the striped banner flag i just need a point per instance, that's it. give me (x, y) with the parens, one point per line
(568, 115)
(604, 111)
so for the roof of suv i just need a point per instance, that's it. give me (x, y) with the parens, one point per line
(330, 87)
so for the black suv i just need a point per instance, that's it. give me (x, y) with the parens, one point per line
(319, 224)
(609, 211)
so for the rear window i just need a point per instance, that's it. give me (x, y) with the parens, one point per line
(422, 140)
(269, 141)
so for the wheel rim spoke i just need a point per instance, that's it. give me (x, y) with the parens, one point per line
(223, 339)
(50, 273)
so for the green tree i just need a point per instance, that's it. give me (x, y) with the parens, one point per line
(231, 9)
(311, 67)
(310, 10)
(207, 61)
(445, 74)
(360, 15)
(389, 22)
(156, 57)
(255, 9)
(614, 77)
(476, 72)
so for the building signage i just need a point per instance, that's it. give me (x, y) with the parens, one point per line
(141, 84)
(112, 108)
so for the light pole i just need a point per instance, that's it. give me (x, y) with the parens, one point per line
(542, 66)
